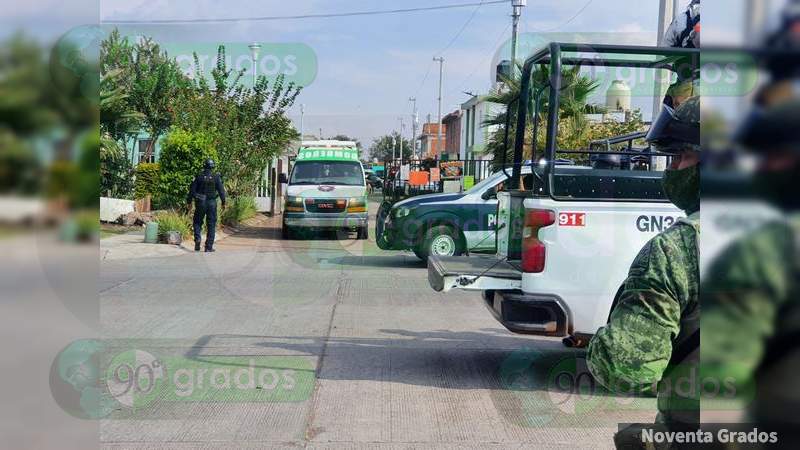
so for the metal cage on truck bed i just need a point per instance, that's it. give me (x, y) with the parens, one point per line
(564, 183)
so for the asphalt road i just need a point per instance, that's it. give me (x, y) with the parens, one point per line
(349, 347)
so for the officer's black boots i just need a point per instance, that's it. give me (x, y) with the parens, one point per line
(196, 246)
(210, 250)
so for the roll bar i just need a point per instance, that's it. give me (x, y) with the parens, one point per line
(650, 57)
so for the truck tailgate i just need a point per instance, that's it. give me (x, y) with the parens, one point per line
(472, 273)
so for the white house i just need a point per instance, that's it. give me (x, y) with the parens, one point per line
(474, 135)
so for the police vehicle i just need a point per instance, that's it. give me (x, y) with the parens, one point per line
(565, 244)
(449, 224)
(327, 190)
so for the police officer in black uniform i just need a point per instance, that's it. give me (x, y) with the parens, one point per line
(205, 189)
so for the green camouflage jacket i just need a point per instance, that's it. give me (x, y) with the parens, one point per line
(751, 323)
(657, 312)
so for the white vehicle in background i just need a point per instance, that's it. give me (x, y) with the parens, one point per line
(326, 190)
(565, 246)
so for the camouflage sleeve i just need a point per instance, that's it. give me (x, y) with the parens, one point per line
(631, 353)
(741, 295)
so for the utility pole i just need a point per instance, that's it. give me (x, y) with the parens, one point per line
(413, 100)
(516, 12)
(255, 47)
(439, 126)
(320, 134)
(394, 143)
(666, 14)
(402, 128)
(302, 113)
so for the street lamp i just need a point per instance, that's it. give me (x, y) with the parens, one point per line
(255, 47)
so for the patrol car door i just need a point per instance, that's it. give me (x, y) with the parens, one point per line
(480, 232)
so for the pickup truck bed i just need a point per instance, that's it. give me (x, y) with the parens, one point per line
(472, 273)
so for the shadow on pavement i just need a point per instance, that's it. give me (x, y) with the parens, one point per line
(488, 359)
(393, 261)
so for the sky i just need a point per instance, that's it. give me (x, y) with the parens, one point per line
(367, 67)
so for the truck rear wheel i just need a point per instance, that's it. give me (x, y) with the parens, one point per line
(440, 241)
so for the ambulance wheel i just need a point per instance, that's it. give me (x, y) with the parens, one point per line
(441, 241)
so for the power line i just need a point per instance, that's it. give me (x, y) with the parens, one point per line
(452, 41)
(424, 79)
(298, 17)
(492, 49)
(567, 22)
(449, 44)
(580, 11)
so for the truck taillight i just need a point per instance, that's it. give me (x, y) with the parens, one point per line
(533, 250)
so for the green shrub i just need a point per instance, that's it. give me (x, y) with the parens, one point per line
(116, 170)
(173, 221)
(87, 190)
(147, 180)
(20, 171)
(88, 224)
(239, 209)
(62, 179)
(182, 156)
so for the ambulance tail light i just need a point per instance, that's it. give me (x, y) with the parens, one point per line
(533, 250)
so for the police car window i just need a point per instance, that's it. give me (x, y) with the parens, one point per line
(487, 182)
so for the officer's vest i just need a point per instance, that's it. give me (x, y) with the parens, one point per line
(208, 185)
(676, 409)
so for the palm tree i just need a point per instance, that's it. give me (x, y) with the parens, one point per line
(573, 105)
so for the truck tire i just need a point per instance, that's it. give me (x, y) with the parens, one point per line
(440, 241)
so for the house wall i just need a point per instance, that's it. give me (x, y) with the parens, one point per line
(474, 136)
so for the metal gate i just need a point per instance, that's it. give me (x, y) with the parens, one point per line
(264, 191)
(432, 176)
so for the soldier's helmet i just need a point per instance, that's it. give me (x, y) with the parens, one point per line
(773, 123)
(677, 130)
(209, 164)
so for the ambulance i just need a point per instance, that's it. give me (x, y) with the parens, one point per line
(326, 190)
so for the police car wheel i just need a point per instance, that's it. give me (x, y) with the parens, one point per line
(443, 241)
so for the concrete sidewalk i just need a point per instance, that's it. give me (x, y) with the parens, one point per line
(132, 245)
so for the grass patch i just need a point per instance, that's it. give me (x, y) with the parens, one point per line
(173, 221)
(238, 210)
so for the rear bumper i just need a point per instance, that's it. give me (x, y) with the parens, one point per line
(321, 221)
(539, 314)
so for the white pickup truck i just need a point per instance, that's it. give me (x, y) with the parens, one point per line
(565, 246)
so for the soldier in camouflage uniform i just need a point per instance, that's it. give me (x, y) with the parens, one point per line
(652, 337)
(750, 294)
(751, 291)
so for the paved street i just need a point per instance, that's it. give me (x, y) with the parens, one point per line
(376, 358)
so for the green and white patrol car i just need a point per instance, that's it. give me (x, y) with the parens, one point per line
(444, 224)
(326, 189)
